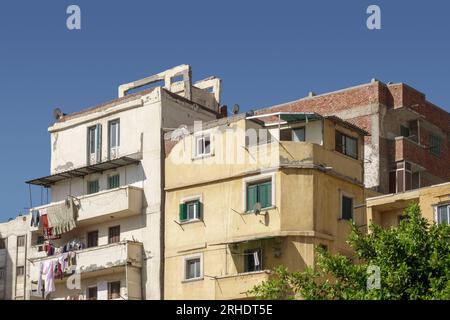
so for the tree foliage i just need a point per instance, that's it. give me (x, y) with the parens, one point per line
(413, 259)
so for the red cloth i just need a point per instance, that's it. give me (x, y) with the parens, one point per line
(44, 221)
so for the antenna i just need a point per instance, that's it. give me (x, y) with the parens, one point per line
(58, 114)
(236, 109)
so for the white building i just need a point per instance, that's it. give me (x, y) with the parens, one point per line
(13, 250)
(108, 161)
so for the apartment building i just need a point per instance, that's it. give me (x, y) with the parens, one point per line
(247, 193)
(388, 210)
(13, 252)
(409, 142)
(100, 235)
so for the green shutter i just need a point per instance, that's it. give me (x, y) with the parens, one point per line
(200, 209)
(347, 210)
(183, 212)
(265, 194)
(252, 192)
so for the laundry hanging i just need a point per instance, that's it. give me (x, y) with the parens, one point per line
(62, 217)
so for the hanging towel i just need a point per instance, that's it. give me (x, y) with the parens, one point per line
(62, 217)
(48, 271)
(256, 258)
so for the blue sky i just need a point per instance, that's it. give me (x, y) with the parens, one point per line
(265, 52)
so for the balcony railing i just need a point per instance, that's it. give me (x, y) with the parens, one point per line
(98, 259)
(98, 207)
(237, 286)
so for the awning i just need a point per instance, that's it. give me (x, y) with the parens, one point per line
(290, 116)
(86, 170)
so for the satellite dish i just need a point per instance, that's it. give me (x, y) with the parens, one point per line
(58, 114)
(236, 109)
(257, 208)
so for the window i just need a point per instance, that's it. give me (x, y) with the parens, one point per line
(93, 187)
(346, 208)
(39, 242)
(297, 134)
(435, 145)
(193, 268)
(92, 293)
(21, 241)
(252, 260)
(114, 234)
(261, 193)
(2, 244)
(346, 145)
(404, 131)
(2, 274)
(92, 239)
(203, 145)
(190, 210)
(94, 143)
(114, 138)
(114, 181)
(20, 271)
(114, 290)
(443, 214)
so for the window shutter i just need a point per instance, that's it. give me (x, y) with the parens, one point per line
(251, 197)
(199, 209)
(183, 212)
(339, 145)
(265, 194)
(99, 142)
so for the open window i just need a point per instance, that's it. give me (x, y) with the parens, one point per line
(191, 210)
(94, 144)
(252, 260)
(203, 145)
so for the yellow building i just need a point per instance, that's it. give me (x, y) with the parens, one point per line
(248, 193)
(434, 203)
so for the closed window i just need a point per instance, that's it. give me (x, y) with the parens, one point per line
(435, 145)
(20, 271)
(93, 187)
(193, 268)
(114, 181)
(203, 145)
(114, 234)
(2, 243)
(346, 208)
(114, 290)
(261, 193)
(94, 144)
(190, 210)
(21, 241)
(114, 138)
(252, 260)
(92, 239)
(92, 293)
(443, 214)
(346, 145)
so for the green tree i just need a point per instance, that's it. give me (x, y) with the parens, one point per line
(413, 260)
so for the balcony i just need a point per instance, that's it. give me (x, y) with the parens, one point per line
(93, 262)
(99, 207)
(236, 286)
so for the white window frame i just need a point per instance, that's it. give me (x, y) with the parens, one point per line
(113, 151)
(191, 199)
(198, 137)
(347, 195)
(436, 212)
(93, 154)
(255, 179)
(186, 260)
